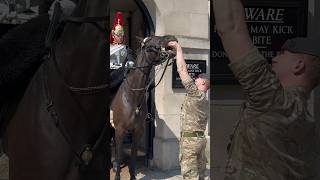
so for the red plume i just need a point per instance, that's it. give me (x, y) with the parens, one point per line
(115, 23)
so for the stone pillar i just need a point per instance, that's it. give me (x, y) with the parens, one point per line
(188, 20)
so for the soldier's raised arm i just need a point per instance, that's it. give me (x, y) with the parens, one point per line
(181, 64)
(252, 70)
(232, 29)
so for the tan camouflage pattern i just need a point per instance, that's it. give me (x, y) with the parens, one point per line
(195, 108)
(192, 157)
(275, 138)
(194, 117)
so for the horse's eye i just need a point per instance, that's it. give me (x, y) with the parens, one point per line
(152, 49)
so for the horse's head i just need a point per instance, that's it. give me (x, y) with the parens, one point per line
(157, 50)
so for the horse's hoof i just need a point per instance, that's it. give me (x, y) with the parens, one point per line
(117, 178)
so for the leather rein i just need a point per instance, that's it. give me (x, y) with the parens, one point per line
(87, 152)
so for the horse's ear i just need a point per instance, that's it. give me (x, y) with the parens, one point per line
(140, 39)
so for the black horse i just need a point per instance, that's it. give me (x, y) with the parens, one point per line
(59, 130)
(129, 104)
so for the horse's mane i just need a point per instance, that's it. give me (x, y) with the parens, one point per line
(21, 52)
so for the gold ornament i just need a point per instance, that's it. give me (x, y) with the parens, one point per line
(118, 30)
(87, 155)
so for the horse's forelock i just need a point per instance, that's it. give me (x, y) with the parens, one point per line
(145, 40)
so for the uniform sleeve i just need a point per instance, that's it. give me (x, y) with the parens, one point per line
(191, 88)
(257, 79)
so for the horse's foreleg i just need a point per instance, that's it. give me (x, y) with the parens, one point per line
(136, 135)
(119, 134)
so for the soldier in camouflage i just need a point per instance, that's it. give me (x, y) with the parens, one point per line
(275, 138)
(194, 117)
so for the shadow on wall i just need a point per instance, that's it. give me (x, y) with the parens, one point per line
(166, 143)
(160, 153)
(225, 117)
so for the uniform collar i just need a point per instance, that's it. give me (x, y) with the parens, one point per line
(299, 90)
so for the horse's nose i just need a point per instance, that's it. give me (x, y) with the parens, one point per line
(164, 55)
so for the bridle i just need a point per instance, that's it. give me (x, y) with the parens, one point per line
(57, 16)
(87, 152)
(164, 57)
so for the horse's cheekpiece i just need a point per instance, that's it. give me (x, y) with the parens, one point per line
(87, 155)
(54, 25)
(59, 18)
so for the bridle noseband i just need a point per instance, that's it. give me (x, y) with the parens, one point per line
(91, 20)
(60, 19)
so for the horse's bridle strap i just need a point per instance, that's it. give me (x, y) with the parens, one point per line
(78, 153)
(80, 90)
(86, 19)
(92, 20)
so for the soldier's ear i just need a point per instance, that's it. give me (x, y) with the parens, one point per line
(299, 67)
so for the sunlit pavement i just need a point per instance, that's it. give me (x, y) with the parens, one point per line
(150, 173)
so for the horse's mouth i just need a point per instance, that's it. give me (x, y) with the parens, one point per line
(166, 54)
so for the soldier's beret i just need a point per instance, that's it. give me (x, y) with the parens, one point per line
(203, 75)
(303, 45)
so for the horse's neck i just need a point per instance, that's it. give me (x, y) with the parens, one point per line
(81, 51)
(81, 55)
(138, 78)
(90, 8)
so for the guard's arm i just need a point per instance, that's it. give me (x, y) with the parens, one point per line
(181, 63)
(231, 26)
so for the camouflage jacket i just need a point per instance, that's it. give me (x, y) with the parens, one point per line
(195, 108)
(275, 138)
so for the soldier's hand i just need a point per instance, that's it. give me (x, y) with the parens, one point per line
(175, 45)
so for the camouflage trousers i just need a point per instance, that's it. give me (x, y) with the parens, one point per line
(192, 157)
